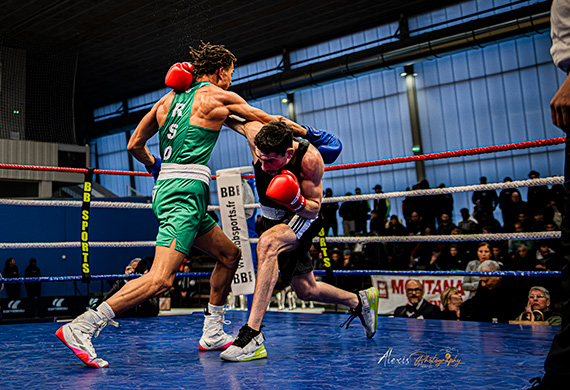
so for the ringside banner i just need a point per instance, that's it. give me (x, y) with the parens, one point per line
(392, 289)
(234, 225)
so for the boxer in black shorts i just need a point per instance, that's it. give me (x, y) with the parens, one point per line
(288, 174)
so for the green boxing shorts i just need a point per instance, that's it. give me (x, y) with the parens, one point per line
(180, 207)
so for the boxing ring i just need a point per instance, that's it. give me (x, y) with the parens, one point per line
(305, 350)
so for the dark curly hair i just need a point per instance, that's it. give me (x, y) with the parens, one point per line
(207, 59)
(274, 137)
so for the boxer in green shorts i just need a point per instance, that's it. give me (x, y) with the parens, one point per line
(188, 121)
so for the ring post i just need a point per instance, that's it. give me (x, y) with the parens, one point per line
(87, 186)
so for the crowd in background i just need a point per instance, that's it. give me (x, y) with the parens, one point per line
(432, 215)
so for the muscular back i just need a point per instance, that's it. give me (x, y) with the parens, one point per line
(208, 108)
(212, 104)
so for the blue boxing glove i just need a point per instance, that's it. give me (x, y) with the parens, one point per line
(326, 143)
(154, 168)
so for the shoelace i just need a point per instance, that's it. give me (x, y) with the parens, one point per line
(246, 334)
(353, 315)
(216, 325)
(104, 324)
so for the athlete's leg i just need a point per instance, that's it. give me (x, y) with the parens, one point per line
(159, 279)
(363, 304)
(216, 244)
(280, 238)
(249, 343)
(77, 334)
(309, 289)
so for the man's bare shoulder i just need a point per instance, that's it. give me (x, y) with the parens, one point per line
(212, 89)
(163, 105)
(218, 94)
(312, 165)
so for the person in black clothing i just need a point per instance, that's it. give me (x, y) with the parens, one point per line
(537, 223)
(554, 210)
(150, 308)
(445, 226)
(258, 226)
(347, 212)
(538, 196)
(525, 221)
(416, 224)
(396, 252)
(444, 203)
(468, 223)
(557, 375)
(424, 254)
(453, 259)
(11, 271)
(487, 221)
(497, 298)
(410, 204)
(186, 286)
(328, 211)
(288, 176)
(547, 259)
(522, 260)
(417, 307)
(381, 206)
(485, 200)
(451, 300)
(505, 198)
(362, 208)
(513, 209)
(33, 289)
(499, 252)
(426, 205)
(377, 226)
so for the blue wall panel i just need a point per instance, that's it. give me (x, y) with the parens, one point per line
(504, 100)
(112, 154)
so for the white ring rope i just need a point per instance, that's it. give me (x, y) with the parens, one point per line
(441, 238)
(450, 190)
(361, 239)
(396, 194)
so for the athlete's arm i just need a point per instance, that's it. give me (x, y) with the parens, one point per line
(312, 169)
(248, 129)
(238, 106)
(327, 144)
(146, 128)
(298, 130)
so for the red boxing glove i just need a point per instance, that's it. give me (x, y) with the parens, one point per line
(284, 189)
(179, 76)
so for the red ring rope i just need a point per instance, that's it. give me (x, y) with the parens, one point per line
(388, 161)
(453, 153)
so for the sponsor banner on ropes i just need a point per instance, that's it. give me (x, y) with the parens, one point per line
(234, 225)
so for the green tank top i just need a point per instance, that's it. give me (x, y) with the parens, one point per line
(181, 142)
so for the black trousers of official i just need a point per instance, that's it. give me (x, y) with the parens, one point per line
(558, 360)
